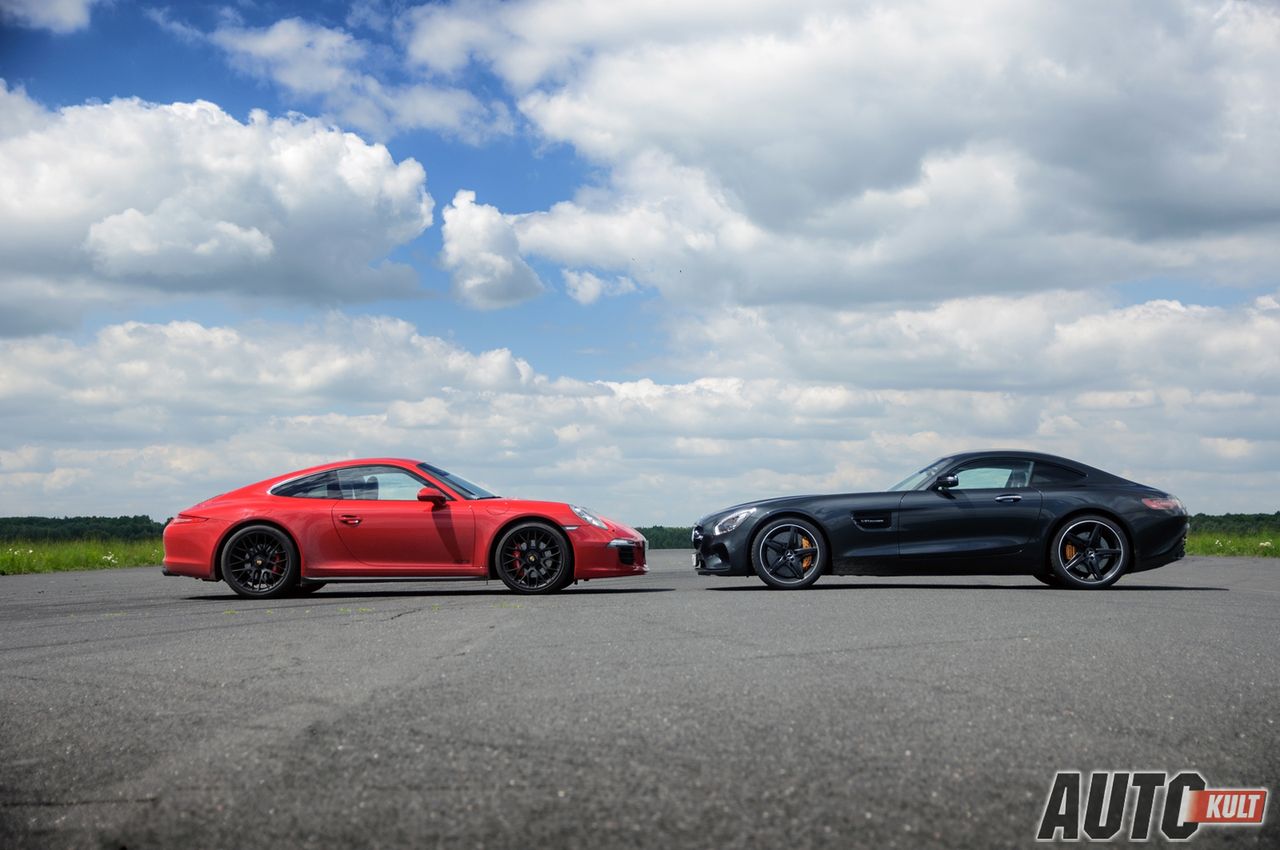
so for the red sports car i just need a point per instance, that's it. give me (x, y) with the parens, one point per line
(391, 519)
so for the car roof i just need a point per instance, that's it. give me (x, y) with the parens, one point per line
(1022, 454)
(286, 477)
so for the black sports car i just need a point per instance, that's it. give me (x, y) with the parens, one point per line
(994, 512)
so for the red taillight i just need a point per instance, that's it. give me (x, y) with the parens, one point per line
(1162, 504)
(181, 518)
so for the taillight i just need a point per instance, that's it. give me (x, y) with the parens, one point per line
(183, 518)
(1166, 504)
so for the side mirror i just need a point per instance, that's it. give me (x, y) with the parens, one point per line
(945, 481)
(432, 495)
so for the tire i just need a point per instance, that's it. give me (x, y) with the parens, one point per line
(788, 554)
(307, 588)
(533, 557)
(1089, 553)
(260, 562)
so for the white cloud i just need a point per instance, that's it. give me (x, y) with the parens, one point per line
(170, 413)
(21, 113)
(59, 16)
(327, 65)
(129, 196)
(1108, 356)
(830, 152)
(481, 253)
(586, 288)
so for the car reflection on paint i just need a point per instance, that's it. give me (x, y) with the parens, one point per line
(992, 512)
(391, 519)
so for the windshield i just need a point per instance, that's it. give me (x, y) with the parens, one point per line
(464, 488)
(916, 480)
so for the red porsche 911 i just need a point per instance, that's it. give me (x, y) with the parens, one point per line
(391, 519)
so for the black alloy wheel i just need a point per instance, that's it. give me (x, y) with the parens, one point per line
(787, 554)
(260, 562)
(1089, 553)
(533, 557)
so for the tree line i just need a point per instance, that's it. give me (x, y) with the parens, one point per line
(659, 536)
(79, 528)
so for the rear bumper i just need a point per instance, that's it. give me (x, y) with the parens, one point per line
(189, 548)
(1164, 551)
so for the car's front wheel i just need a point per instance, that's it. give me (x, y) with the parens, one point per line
(533, 557)
(260, 562)
(1089, 553)
(787, 554)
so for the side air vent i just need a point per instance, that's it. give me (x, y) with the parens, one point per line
(878, 521)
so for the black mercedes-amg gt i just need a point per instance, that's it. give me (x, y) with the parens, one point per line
(993, 512)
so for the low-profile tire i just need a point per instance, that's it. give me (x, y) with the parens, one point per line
(308, 587)
(1089, 553)
(260, 562)
(788, 554)
(533, 557)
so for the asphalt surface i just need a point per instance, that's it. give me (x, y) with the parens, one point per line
(665, 711)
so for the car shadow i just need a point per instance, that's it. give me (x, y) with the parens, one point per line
(920, 586)
(372, 593)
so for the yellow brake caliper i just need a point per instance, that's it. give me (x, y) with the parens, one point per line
(808, 559)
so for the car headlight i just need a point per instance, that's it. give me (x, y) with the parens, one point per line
(586, 516)
(732, 521)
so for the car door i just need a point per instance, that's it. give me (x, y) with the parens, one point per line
(990, 513)
(389, 532)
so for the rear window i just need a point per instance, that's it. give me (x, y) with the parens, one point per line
(1050, 473)
(322, 485)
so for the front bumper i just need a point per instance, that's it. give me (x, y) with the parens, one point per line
(618, 551)
(720, 554)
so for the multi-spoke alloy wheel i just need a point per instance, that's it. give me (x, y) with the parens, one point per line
(788, 554)
(260, 562)
(1089, 552)
(534, 558)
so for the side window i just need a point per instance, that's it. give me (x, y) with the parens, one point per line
(321, 486)
(379, 483)
(1048, 473)
(993, 475)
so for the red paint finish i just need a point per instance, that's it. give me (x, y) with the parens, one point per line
(372, 538)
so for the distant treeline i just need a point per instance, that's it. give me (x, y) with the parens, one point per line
(659, 536)
(1236, 523)
(667, 536)
(79, 528)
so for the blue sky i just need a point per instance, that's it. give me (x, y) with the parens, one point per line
(649, 256)
(125, 53)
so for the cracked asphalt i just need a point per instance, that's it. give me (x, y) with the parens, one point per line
(665, 711)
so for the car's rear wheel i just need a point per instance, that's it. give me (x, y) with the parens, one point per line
(787, 554)
(1089, 553)
(533, 557)
(260, 562)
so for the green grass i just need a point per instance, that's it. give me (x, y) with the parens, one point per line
(1219, 543)
(52, 556)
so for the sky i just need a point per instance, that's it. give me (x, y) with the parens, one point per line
(652, 257)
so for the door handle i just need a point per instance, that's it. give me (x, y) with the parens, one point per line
(349, 519)
(1009, 498)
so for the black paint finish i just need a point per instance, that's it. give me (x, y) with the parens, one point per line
(954, 530)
